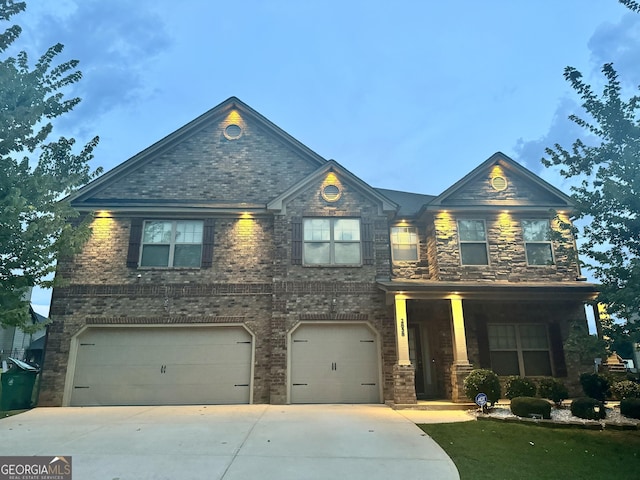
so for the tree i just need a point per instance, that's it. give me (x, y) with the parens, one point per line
(36, 172)
(608, 196)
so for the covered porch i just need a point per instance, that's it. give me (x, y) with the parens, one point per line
(446, 329)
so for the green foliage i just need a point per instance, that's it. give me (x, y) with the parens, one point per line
(528, 406)
(588, 408)
(36, 171)
(596, 385)
(625, 389)
(584, 346)
(519, 387)
(610, 188)
(630, 407)
(483, 381)
(553, 389)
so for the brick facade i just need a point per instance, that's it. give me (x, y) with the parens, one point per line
(253, 190)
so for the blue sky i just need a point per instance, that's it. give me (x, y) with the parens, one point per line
(407, 95)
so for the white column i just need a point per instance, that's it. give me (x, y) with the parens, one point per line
(402, 341)
(459, 338)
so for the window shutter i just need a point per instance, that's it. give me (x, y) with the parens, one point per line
(207, 243)
(296, 241)
(367, 241)
(135, 237)
(557, 350)
(482, 335)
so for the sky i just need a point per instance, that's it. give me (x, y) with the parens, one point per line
(407, 95)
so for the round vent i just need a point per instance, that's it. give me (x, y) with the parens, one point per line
(331, 193)
(499, 183)
(233, 131)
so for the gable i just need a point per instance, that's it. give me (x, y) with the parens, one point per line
(231, 155)
(502, 183)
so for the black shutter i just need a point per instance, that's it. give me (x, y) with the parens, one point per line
(207, 243)
(135, 236)
(366, 227)
(296, 241)
(482, 335)
(557, 350)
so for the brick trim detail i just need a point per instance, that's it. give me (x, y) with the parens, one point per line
(340, 316)
(161, 320)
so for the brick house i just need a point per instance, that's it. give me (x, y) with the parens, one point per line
(229, 263)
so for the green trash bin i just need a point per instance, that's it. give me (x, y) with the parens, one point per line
(17, 388)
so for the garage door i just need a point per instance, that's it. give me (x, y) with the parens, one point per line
(162, 366)
(333, 363)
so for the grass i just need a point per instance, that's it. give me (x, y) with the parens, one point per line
(496, 450)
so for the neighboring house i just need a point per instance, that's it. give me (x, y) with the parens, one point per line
(15, 343)
(229, 263)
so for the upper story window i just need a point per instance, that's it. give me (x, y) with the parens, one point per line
(331, 241)
(171, 243)
(404, 244)
(519, 349)
(537, 242)
(473, 242)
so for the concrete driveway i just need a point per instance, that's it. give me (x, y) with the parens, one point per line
(230, 442)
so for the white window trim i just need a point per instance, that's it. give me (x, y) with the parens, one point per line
(461, 242)
(519, 350)
(417, 244)
(546, 242)
(332, 242)
(172, 243)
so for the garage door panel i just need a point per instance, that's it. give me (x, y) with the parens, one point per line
(157, 366)
(333, 363)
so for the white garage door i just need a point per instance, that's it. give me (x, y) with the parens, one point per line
(162, 366)
(332, 363)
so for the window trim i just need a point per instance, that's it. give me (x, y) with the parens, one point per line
(462, 242)
(416, 245)
(537, 242)
(332, 242)
(519, 349)
(172, 243)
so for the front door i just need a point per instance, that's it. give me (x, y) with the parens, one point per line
(421, 359)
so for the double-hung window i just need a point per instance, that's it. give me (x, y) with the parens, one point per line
(331, 241)
(519, 349)
(537, 242)
(171, 243)
(473, 242)
(404, 244)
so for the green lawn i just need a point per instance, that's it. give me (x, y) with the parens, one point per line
(495, 450)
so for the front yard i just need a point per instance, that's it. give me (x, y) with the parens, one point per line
(498, 450)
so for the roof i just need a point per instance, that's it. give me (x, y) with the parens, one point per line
(409, 204)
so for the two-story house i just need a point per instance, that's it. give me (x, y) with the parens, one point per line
(229, 263)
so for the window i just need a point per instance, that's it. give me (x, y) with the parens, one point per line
(171, 243)
(331, 241)
(537, 242)
(404, 244)
(473, 242)
(519, 349)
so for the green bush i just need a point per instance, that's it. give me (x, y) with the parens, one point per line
(626, 389)
(553, 389)
(519, 387)
(483, 381)
(595, 385)
(585, 407)
(630, 407)
(528, 406)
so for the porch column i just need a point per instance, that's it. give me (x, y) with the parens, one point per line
(404, 389)
(402, 340)
(459, 339)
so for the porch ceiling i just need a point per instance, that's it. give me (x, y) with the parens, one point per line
(493, 291)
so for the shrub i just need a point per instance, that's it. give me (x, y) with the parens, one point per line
(483, 381)
(519, 387)
(595, 385)
(552, 389)
(585, 407)
(626, 389)
(630, 407)
(528, 406)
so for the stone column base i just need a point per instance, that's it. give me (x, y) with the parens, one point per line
(458, 374)
(404, 387)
